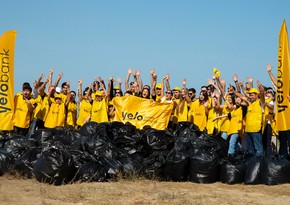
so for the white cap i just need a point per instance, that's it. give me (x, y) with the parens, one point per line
(58, 89)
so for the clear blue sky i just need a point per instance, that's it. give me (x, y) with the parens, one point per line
(186, 38)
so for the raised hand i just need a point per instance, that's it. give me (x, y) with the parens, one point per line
(269, 68)
(235, 77)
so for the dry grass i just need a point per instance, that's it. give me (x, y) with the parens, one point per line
(17, 190)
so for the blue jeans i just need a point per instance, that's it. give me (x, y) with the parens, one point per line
(224, 135)
(254, 144)
(233, 146)
(284, 138)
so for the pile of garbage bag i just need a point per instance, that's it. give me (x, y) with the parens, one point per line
(100, 152)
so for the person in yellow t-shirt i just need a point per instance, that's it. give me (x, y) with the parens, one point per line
(269, 123)
(213, 110)
(85, 105)
(23, 112)
(253, 126)
(57, 112)
(71, 115)
(99, 108)
(199, 110)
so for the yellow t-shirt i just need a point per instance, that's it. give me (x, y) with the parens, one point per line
(224, 122)
(71, 116)
(210, 125)
(197, 112)
(56, 115)
(100, 111)
(22, 116)
(85, 112)
(254, 117)
(236, 121)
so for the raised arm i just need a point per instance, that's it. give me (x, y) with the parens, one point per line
(80, 90)
(120, 83)
(59, 77)
(186, 97)
(167, 81)
(128, 78)
(272, 77)
(235, 79)
(154, 82)
(68, 95)
(139, 79)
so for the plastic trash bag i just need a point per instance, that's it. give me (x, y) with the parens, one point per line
(232, 170)
(54, 166)
(275, 171)
(253, 170)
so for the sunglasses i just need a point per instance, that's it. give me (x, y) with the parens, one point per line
(190, 93)
(158, 88)
(118, 92)
(168, 92)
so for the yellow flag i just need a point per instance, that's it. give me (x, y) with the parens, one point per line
(7, 42)
(140, 112)
(283, 74)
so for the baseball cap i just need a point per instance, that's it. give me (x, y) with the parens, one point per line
(158, 86)
(98, 93)
(57, 96)
(253, 90)
(58, 89)
(176, 89)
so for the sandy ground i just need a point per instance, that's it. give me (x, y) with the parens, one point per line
(16, 190)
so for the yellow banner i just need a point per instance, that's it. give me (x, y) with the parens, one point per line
(140, 112)
(283, 74)
(7, 43)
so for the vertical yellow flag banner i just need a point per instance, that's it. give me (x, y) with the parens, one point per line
(140, 112)
(7, 43)
(283, 78)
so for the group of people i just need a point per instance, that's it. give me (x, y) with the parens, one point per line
(242, 113)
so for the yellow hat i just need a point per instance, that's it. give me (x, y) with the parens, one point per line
(158, 86)
(57, 96)
(116, 87)
(253, 90)
(98, 93)
(176, 88)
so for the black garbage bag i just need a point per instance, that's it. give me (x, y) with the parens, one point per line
(157, 139)
(130, 165)
(186, 127)
(25, 163)
(97, 130)
(54, 166)
(276, 170)
(232, 170)
(176, 167)
(54, 136)
(16, 145)
(91, 172)
(112, 166)
(253, 170)
(101, 148)
(204, 167)
(152, 165)
(6, 161)
(126, 136)
(222, 145)
(88, 129)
